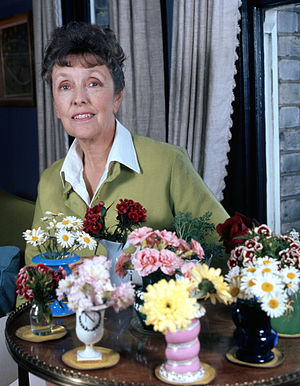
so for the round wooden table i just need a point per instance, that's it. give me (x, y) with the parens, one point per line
(141, 352)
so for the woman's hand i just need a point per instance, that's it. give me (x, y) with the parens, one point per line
(74, 266)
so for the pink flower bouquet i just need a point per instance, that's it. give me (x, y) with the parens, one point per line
(159, 252)
(91, 286)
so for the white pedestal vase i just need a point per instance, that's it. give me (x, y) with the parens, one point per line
(114, 250)
(89, 330)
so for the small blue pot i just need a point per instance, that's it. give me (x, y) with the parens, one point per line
(57, 310)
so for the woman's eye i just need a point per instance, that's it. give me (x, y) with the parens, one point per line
(64, 87)
(94, 83)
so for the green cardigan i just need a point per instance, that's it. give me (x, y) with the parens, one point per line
(166, 185)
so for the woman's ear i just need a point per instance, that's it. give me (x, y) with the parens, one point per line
(117, 101)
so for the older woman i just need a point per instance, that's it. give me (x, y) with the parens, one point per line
(83, 63)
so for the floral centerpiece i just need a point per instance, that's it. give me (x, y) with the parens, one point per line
(89, 292)
(159, 254)
(91, 286)
(58, 235)
(130, 214)
(264, 273)
(38, 284)
(165, 254)
(265, 268)
(172, 308)
(172, 305)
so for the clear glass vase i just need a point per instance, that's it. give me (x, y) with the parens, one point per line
(41, 319)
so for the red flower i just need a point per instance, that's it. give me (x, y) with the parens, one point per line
(130, 214)
(39, 282)
(235, 226)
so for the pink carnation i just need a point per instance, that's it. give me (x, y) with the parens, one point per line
(169, 261)
(197, 248)
(146, 261)
(185, 268)
(168, 237)
(140, 234)
(122, 297)
(184, 246)
(123, 264)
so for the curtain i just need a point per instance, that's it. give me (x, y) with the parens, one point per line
(137, 25)
(204, 42)
(53, 141)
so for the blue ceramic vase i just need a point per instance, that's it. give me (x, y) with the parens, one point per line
(253, 335)
(57, 309)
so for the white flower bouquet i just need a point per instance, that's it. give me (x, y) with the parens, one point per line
(265, 269)
(59, 235)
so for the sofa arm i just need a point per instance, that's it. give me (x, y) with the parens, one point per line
(9, 268)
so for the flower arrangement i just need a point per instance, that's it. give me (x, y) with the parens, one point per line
(91, 286)
(59, 235)
(39, 283)
(265, 269)
(130, 214)
(159, 252)
(171, 305)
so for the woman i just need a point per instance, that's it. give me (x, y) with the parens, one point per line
(83, 64)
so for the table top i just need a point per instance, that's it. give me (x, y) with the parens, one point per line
(140, 352)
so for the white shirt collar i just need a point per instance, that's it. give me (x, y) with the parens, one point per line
(122, 151)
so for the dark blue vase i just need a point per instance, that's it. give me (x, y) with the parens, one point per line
(253, 335)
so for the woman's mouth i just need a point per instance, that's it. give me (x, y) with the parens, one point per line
(82, 116)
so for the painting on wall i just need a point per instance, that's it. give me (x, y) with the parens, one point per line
(16, 61)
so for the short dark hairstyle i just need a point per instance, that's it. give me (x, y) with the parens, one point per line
(83, 40)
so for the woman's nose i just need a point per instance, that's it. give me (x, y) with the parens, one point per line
(80, 96)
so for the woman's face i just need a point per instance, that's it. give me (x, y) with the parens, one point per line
(84, 100)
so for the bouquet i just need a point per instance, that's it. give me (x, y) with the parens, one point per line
(39, 283)
(130, 214)
(159, 253)
(265, 269)
(171, 305)
(59, 235)
(91, 286)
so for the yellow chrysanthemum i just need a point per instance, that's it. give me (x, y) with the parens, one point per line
(168, 305)
(210, 284)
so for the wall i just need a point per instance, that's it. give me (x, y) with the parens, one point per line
(289, 116)
(18, 135)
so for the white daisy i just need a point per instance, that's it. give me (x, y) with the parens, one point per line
(34, 236)
(275, 305)
(266, 285)
(54, 213)
(75, 222)
(65, 238)
(52, 224)
(248, 281)
(65, 222)
(85, 240)
(269, 262)
(291, 278)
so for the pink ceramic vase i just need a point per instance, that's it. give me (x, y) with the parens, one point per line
(183, 348)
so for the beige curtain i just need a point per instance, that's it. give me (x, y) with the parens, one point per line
(53, 141)
(137, 24)
(204, 42)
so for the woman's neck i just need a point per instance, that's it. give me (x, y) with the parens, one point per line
(95, 155)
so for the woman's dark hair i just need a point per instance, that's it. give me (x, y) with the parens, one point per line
(85, 40)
